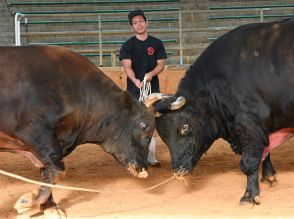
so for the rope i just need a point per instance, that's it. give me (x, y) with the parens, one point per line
(145, 90)
(78, 188)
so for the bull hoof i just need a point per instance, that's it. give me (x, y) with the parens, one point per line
(54, 212)
(26, 202)
(249, 201)
(269, 180)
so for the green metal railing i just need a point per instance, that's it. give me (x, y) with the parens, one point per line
(24, 18)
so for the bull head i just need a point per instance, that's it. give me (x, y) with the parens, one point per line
(188, 133)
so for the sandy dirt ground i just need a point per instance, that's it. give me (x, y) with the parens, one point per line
(212, 190)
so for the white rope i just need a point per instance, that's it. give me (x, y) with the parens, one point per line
(145, 90)
(81, 189)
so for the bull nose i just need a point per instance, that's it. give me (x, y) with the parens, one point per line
(180, 172)
(143, 174)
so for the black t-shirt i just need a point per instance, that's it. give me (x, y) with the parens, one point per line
(144, 56)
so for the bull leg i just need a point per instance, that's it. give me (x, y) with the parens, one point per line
(268, 172)
(47, 150)
(42, 196)
(49, 205)
(253, 140)
(249, 164)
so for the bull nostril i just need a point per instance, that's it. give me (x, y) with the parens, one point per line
(180, 172)
(180, 169)
(184, 172)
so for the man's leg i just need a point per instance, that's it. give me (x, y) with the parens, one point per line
(151, 155)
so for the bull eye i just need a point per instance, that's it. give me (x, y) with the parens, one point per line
(184, 130)
(144, 127)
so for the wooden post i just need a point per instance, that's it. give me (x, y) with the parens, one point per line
(113, 58)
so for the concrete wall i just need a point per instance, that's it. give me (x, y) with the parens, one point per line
(6, 25)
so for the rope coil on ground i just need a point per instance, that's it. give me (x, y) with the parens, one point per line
(78, 188)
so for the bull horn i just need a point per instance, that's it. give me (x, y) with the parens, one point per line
(180, 101)
(154, 97)
(172, 103)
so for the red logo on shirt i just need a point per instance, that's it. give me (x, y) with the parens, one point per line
(150, 51)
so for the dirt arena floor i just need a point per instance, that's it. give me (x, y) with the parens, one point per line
(212, 190)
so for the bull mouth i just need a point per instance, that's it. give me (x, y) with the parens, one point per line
(181, 172)
(134, 170)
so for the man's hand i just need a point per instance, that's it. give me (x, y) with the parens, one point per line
(127, 64)
(149, 76)
(138, 83)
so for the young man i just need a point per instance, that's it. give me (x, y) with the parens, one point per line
(143, 56)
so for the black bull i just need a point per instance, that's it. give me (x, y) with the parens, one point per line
(240, 89)
(53, 99)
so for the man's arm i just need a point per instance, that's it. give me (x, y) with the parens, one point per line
(127, 64)
(158, 69)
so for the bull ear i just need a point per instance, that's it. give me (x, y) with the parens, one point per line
(172, 103)
(154, 97)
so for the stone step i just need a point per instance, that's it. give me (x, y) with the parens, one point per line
(94, 16)
(7, 28)
(6, 23)
(95, 26)
(248, 2)
(6, 18)
(127, 7)
(238, 22)
(6, 42)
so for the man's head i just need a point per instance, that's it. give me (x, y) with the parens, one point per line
(134, 13)
(138, 21)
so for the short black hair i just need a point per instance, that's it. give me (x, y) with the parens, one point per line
(135, 13)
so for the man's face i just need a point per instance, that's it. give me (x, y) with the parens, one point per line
(139, 25)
